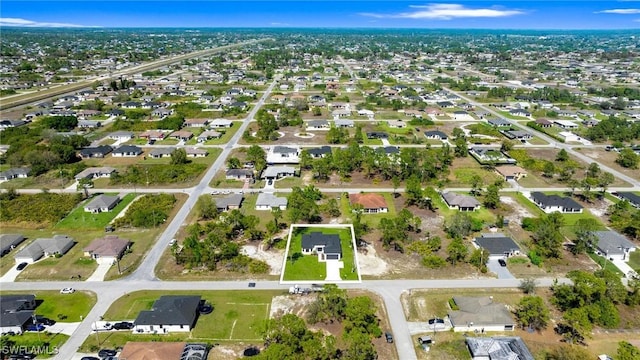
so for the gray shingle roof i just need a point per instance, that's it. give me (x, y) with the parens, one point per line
(499, 348)
(171, 310)
(555, 200)
(610, 242)
(497, 245)
(331, 242)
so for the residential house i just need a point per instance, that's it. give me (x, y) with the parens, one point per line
(553, 203)
(196, 152)
(632, 198)
(326, 246)
(162, 113)
(268, 201)
(519, 112)
(5, 124)
(95, 152)
(490, 155)
(18, 302)
(461, 115)
(480, 314)
(396, 124)
(435, 135)
(239, 174)
(590, 122)
(107, 249)
(95, 172)
(160, 350)
(89, 124)
(127, 151)
(231, 202)
(16, 312)
(220, 123)
(434, 111)
(283, 155)
(613, 245)
(337, 114)
(568, 136)
(207, 135)
(155, 135)
(343, 123)
(388, 150)
(197, 123)
(511, 172)
(377, 135)
(9, 242)
(497, 245)
(498, 348)
(158, 153)
(366, 112)
(544, 123)
(565, 124)
(460, 202)
(499, 122)
(170, 313)
(181, 135)
(319, 152)
(14, 173)
(102, 203)
(518, 135)
(371, 203)
(318, 125)
(278, 172)
(445, 104)
(58, 244)
(121, 136)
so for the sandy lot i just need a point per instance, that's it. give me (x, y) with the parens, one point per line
(272, 257)
(370, 263)
(519, 212)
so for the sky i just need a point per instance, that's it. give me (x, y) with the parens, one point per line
(546, 14)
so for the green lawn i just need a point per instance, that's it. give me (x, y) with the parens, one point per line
(228, 133)
(634, 261)
(80, 219)
(61, 307)
(600, 260)
(45, 341)
(237, 316)
(483, 213)
(372, 219)
(307, 267)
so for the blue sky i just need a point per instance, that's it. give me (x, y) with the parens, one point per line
(319, 13)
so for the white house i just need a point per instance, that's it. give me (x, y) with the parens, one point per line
(268, 201)
(59, 244)
(553, 203)
(170, 313)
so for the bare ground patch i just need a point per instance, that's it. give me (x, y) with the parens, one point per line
(272, 257)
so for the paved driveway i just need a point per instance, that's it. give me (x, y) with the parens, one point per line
(333, 270)
(10, 275)
(100, 272)
(501, 271)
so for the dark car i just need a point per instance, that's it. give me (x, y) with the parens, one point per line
(44, 321)
(21, 266)
(89, 358)
(252, 284)
(502, 262)
(105, 353)
(35, 327)
(123, 325)
(389, 337)
(205, 309)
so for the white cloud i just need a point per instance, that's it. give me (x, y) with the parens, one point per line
(619, 11)
(447, 12)
(279, 24)
(30, 23)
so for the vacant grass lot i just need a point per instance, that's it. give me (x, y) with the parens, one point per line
(464, 169)
(307, 267)
(61, 307)
(237, 316)
(634, 261)
(33, 339)
(80, 219)
(446, 346)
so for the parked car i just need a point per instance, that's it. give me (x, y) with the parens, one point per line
(436, 323)
(21, 266)
(67, 290)
(105, 353)
(502, 262)
(35, 327)
(89, 358)
(44, 320)
(123, 325)
(389, 337)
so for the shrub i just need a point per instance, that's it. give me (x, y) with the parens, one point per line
(453, 305)
(433, 261)
(535, 258)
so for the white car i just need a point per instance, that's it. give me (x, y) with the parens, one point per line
(67, 290)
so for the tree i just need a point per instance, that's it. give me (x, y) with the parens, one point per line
(479, 258)
(628, 158)
(506, 146)
(604, 180)
(316, 111)
(461, 149)
(233, 163)
(532, 312)
(258, 157)
(395, 181)
(179, 157)
(528, 285)
(492, 197)
(562, 155)
(549, 169)
(577, 325)
(626, 351)
(206, 207)
(476, 185)
(585, 236)
(459, 225)
(547, 236)
(456, 251)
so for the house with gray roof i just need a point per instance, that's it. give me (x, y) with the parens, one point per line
(460, 202)
(233, 201)
(278, 172)
(58, 244)
(95, 172)
(14, 173)
(518, 135)
(127, 151)
(480, 314)
(613, 245)
(553, 203)
(159, 153)
(319, 152)
(497, 245)
(239, 174)
(9, 242)
(326, 246)
(318, 125)
(207, 135)
(268, 201)
(16, 312)
(632, 198)
(95, 152)
(498, 348)
(343, 123)
(102, 203)
(435, 135)
(170, 313)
